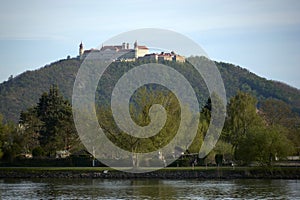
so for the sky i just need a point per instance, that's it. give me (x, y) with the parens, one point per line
(262, 36)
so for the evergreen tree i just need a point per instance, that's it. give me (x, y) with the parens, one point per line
(52, 121)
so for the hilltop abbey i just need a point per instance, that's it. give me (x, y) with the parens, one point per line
(137, 53)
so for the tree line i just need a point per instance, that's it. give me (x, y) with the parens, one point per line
(252, 132)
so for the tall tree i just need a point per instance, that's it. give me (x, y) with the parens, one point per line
(139, 107)
(30, 126)
(242, 115)
(51, 119)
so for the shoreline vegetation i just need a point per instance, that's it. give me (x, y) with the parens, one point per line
(257, 131)
(200, 173)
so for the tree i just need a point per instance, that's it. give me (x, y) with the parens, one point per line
(10, 141)
(293, 134)
(30, 126)
(1, 136)
(225, 149)
(277, 112)
(242, 116)
(255, 139)
(50, 121)
(139, 107)
(263, 145)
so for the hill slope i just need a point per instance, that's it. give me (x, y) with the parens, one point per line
(23, 91)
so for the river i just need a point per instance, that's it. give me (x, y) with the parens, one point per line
(148, 189)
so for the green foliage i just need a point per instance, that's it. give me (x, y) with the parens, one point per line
(139, 107)
(263, 145)
(225, 149)
(30, 127)
(49, 123)
(237, 78)
(11, 141)
(1, 136)
(1, 153)
(23, 91)
(258, 136)
(277, 112)
(241, 117)
(38, 152)
(219, 159)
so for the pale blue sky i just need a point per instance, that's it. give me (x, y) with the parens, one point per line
(260, 35)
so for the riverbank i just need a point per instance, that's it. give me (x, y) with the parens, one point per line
(166, 173)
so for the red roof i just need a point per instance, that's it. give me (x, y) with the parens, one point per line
(143, 47)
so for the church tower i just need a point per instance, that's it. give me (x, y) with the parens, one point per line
(81, 50)
(135, 44)
(136, 49)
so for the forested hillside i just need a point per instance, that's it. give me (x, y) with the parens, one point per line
(24, 90)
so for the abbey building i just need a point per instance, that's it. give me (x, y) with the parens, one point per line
(138, 52)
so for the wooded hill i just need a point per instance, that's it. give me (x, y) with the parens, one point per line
(24, 90)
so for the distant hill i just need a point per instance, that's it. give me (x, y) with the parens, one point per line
(24, 90)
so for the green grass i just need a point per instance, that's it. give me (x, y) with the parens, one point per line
(100, 169)
(55, 168)
(126, 168)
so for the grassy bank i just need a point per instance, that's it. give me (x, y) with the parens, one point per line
(165, 173)
(100, 169)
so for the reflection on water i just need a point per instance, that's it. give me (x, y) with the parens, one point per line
(148, 189)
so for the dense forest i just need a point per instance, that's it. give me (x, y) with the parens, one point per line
(23, 91)
(248, 135)
(262, 121)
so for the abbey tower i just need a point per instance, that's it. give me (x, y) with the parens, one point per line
(81, 50)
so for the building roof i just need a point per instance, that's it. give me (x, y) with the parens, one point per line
(114, 48)
(151, 54)
(143, 47)
(162, 54)
(91, 50)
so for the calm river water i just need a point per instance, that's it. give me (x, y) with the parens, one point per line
(148, 189)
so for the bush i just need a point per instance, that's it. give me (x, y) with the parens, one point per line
(38, 152)
(219, 159)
